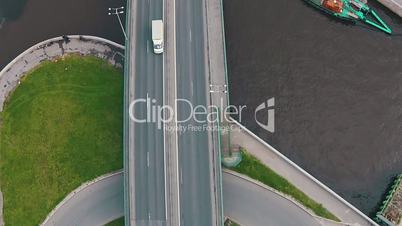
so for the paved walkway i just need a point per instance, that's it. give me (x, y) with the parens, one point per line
(216, 80)
(297, 176)
(394, 5)
(52, 49)
(216, 53)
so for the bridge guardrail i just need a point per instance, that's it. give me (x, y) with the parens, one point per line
(125, 112)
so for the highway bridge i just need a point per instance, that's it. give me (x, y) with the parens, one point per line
(170, 176)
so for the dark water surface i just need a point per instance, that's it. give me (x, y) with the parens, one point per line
(337, 87)
(24, 23)
(11, 9)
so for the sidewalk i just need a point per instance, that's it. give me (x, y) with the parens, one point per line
(216, 53)
(394, 5)
(298, 177)
(216, 79)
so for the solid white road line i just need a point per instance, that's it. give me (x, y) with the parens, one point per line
(175, 85)
(148, 159)
(181, 176)
(164, 103)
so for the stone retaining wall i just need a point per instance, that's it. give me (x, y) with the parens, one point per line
(49, 50)
(52, 49)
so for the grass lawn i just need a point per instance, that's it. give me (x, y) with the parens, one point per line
(229, 222)
(252, 167)
(61, 127)
(118, 222)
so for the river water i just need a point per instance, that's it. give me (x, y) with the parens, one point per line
(24, 23)
(337, 87)
(337, 90)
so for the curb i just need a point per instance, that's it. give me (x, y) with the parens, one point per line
(1, 209)
(285, 196)
(392, 5)
(8, 86)
(309, 176)
(77, 190)
(32, 48)
(11, 74)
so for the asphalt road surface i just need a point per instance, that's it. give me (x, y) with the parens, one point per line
(146, 153)
(245, 202)
(249, 204)
(96, 204)
(194, 160)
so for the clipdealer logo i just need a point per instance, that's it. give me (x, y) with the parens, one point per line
(267, 106)
(152, 112)
(196, 117)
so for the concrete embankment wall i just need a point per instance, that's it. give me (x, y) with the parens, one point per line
(298, 177)
(49, 50)
(52, 49)
(394, 5)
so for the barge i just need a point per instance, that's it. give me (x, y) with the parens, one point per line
(390, 213)
(352, 10)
